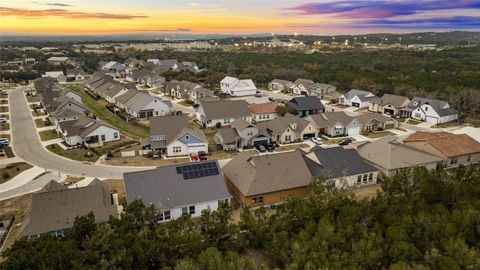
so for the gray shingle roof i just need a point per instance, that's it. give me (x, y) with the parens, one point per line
(307, 103)
(440, 106)
(362, 95)
(229, 135)
(219, 109)
(280, 124)
(394, 100)
(56, 206)
(166, 189)
(174, 126)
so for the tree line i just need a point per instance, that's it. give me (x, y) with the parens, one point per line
(421, 220)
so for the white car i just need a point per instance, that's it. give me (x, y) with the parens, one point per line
(3, 120)
(317, 140)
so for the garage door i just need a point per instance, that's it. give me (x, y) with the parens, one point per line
(259, 142)
(308, 136)
(355, 104)
(196, 149)
(354, 131)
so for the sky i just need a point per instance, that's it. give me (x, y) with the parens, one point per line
(236, 16)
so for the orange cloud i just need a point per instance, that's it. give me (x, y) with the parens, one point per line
(19, 12)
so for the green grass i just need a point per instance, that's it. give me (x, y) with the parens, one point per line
(97, 107)
(413, 122)
(80, 154)
(186, 103)
(47, 135)
(40, 123)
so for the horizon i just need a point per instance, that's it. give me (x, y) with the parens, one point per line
(215, 17)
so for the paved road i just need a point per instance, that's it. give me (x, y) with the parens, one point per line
(27, 145)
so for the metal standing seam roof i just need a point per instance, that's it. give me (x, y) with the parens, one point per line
(166, 189)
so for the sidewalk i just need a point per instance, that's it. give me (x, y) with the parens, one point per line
(21, 179)
(31, 186)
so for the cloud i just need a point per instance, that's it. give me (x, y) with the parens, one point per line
(464, 22)
(53, 4)
(19, 12)
(380, 8)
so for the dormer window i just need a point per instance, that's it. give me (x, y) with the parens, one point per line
(187, 137)
(415, 103)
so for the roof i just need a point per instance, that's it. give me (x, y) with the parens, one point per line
(336, 162)
(66, 113)
(122, 99)
(254, 175)
(448, 144)
(240, 124)
(441, 107)
(267, 107)
(394, 100)
(58, 58)
(367, 117)
(54, 74)
(361, 94)
(280, 124)
(76, 127)
(173, 127)
(217, 109)
(390, 154)
(75, 71)
(306, 103)
(229, 135)
(139, 73)
(305, 82)
(329, 119)
(141, 99)
(283, 82)
(55, 207)
(165, 188)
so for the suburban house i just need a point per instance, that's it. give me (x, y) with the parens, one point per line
(322, 90)
(174, 136)
(115, 90)
(302, 87)
(454, 149)
(308, 105)
(187, 90)
(357, 98)
(263, 111)
(430, 110)
(270, 179)
(389, 104)
(280, 85)
(76, 74)
(389, 155)
(209, 113)
(59, 60)
(235, 87)
(144, 106)
(54, 208)
(57, 75)
(172, 64)
(65, 102)
(112, 68)
(336, 124)
(64, 115)
(241, 134)
(136, 75)
(376, 122)
(288, 129)
(153, 80)
(123, 99)
(86, 131)
(96, 80)
(178, 189)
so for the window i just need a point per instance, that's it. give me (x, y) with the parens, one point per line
(191, 209)
(257, 200)
(370, 177)
(177, 149)
(166, 215)
(454, 160)
(115, 135)
(103, 137)
(417, 115)
(184, 210)
(226, 120)
(156, 112)
(187, 137)
(365, 178)
(359, 179)
(469, 157)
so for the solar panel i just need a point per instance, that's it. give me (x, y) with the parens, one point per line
(203, 169)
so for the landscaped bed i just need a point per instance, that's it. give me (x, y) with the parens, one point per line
(144, 161)
(80, 154)
(12, 170)
(116, 186)
(328, 140)
(413, 122)
(290, 147)
(47, 135)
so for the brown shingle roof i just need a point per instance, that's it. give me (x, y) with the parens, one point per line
(268, 107)
(449, 144)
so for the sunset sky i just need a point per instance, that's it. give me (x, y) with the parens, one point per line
(236, 16)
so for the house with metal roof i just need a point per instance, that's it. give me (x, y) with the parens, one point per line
(269, 179)
(430, 110)
(357, 98)
(389, 104)
(209, 113)
(178, 189)
(390, 155)
(143, 106)
(174, 136)
(54, 208)
(237, 88)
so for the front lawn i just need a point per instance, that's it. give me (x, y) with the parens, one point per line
(378, 134)
(41, 123)
(328, 140)
(47, 135)
(3, 108)
(12, 170)
(186, 103)
(413, 122)
(4, 126)
(80, 154)
(97, 107)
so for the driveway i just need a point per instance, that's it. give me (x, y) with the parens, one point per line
(27, 146)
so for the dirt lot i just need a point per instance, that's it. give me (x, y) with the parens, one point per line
(12, 170)
(367, 191)
(18, 207)
(116, 185)
(144, 161)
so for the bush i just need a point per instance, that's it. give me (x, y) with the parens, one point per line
(218, 125)
(6, 175)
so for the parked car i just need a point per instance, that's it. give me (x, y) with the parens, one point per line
(258, 95)
(202, 155)
(4, 142)
(271, 98)
(317, 140)
(3, 120)
(261, 148)
(270, 147)
(344, 142)
(194, 157)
